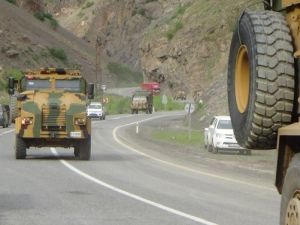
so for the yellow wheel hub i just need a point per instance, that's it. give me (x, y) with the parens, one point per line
(242, 79)
(292, 216)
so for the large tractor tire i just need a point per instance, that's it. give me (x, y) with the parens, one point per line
(20, 148)
(290, 198)
(261, 81)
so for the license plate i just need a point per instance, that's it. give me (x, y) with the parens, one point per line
(75, 134)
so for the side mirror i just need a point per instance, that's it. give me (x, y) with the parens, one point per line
(90, 91)
(11, 85)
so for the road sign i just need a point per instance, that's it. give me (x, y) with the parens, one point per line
(103, 87)
(189, 108)
(164, 100)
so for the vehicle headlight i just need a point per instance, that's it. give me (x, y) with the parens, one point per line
(80, 121)
(27, 121)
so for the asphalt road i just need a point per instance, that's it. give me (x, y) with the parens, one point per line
(121, 185)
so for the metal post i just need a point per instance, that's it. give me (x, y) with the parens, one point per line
(190, 122)
(99, 79)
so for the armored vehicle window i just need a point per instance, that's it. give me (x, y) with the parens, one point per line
(95, 106)
(139, 98)
(37, 84)
(224, 124)
(68, 85)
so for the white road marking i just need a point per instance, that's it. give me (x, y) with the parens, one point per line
(7, 132)
(130, 195)
(177, 165)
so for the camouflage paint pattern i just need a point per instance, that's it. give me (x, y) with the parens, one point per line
(141, 100)
(52, 112)
(279, 5)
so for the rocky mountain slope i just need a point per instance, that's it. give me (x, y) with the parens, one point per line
(183, 44)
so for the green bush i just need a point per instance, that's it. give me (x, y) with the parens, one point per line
(43, 16)
(39, 15)
(58, 53)
(118, 105)
(12, 2)
(171, 105)
(88, 5)
(15, 73)
(125, 74)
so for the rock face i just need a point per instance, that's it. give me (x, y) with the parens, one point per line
(183, 44)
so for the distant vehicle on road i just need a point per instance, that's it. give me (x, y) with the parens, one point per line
(4, 116)
(152, 87)
(142, 101)
(219, 136)
(96, 110)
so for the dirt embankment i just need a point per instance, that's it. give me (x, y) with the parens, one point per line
(27, 42)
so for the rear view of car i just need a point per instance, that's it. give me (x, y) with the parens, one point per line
(96, 110)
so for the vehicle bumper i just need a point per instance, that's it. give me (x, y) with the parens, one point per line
(94, 115)
(229, 146)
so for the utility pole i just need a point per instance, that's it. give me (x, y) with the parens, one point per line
(99, 73)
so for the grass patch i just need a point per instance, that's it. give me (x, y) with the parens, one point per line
(80, 14)
(171, 33)
(126, 76)
(179, 11)
(88, 5)
(12, 2)
(15, 73)
(171, 105)
(179, 137)
(141, 12)
(43, 16)
(117, 105)
(58, 53)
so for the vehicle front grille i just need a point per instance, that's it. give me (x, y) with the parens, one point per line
(54, 118)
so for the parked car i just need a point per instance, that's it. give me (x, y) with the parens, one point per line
(4, 116)
(96, 110)
(219, 136)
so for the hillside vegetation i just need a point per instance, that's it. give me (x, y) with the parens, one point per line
(183, 44)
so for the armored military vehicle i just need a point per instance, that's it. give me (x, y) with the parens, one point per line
(142, 101)
(51, 107)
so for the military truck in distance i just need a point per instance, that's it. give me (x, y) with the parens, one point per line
(142, 101)
(51, 107)
(263, 92)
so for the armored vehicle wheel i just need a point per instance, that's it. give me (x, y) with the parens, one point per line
(260, 79)
(290, 198)
(20, 148)
(76, 151)
(83, 150)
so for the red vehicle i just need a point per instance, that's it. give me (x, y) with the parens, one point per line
(153, 87)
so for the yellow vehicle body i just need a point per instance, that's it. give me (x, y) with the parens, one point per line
(52, 109)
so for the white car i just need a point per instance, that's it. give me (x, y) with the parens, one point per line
(96, 110)
(219, 136)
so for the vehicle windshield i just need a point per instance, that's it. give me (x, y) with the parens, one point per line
(68, 85)
(140, 98)
(224, 124)
(37, 84)
(95, 107)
